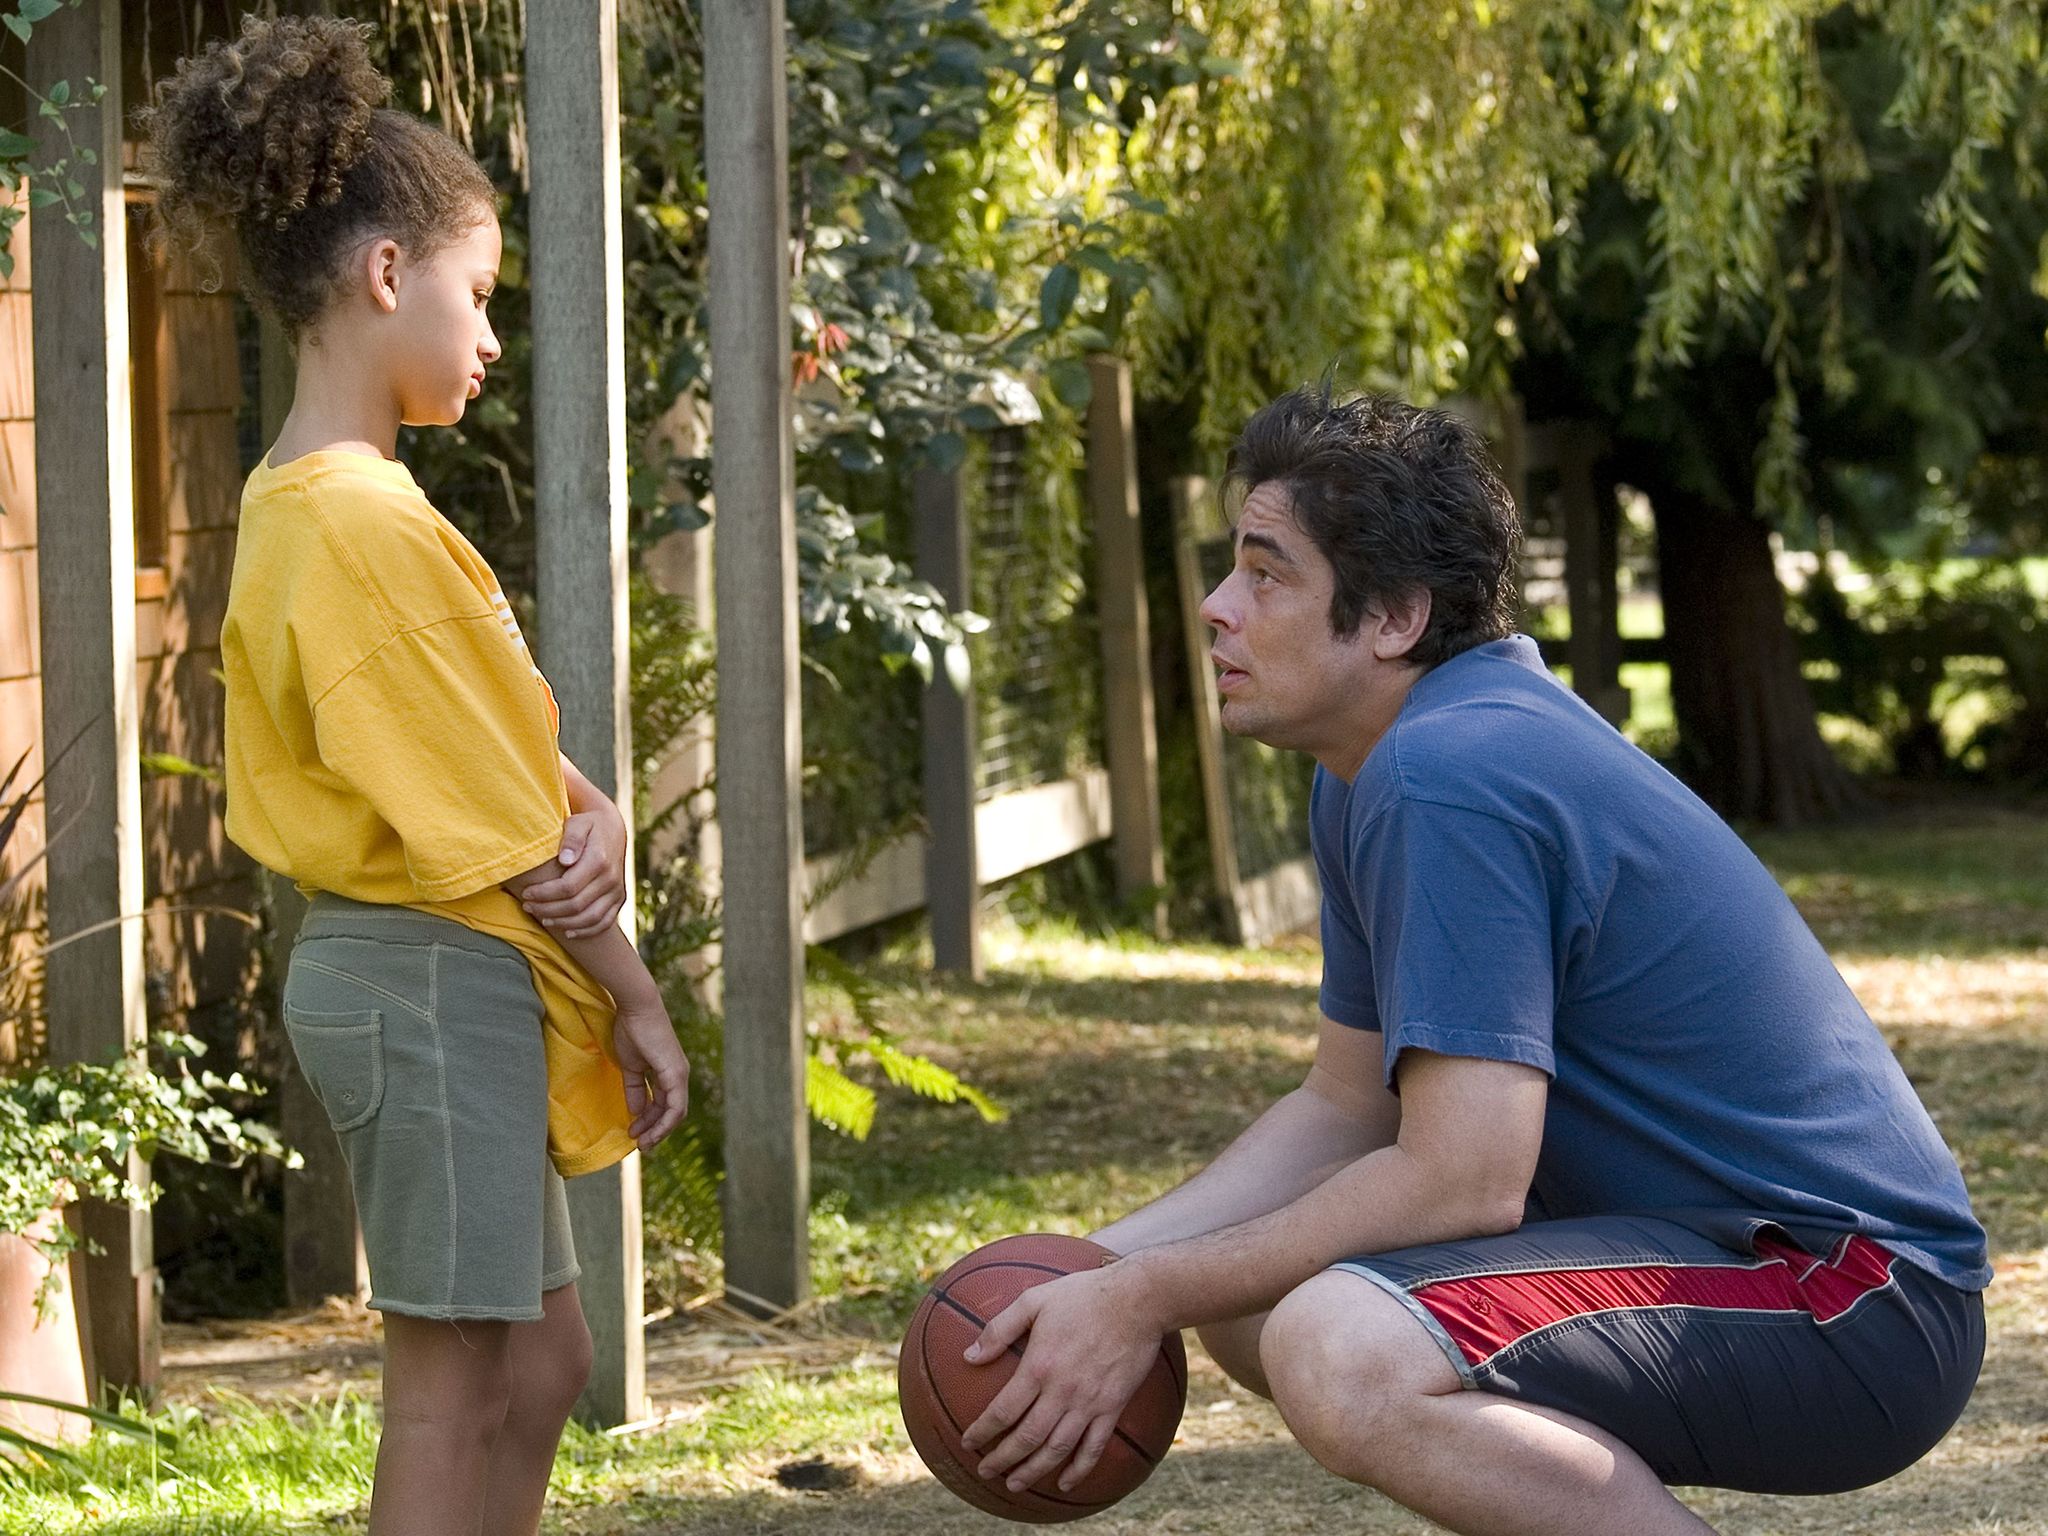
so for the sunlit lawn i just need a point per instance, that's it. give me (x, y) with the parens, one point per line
(1124, 1064)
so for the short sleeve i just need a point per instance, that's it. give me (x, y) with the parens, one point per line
(444, 732)
(1346, 995)
(1471, 920)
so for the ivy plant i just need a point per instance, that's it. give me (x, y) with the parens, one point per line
(50, 182)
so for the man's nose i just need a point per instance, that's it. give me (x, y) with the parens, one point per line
(1215, 608)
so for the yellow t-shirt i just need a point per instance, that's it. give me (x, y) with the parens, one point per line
(390, 740)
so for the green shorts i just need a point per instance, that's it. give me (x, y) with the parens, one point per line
(422, 1040)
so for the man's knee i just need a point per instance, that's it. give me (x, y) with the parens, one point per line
(1349, 1369)
(1234, 1345)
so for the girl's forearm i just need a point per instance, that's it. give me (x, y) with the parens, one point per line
(583, 795)
(608, 955)
(611, 959)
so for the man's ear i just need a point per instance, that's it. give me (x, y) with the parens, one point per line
(1403, 620)
(379, 264)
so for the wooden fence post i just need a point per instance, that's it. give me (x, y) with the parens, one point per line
(93, 985)
(760, 728)
(1132, 738)
(1193, 497)
(579, 419)
(952, 880)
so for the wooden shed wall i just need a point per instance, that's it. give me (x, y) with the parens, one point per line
(189, 446)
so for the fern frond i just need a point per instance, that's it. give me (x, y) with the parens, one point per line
(923, 1076)
(836, 1100)
(682, 1181)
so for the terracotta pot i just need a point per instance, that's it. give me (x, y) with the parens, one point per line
(39, 1357)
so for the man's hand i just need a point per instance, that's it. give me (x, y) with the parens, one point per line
(586, 896)
(657, 1073)
(1093, 1338)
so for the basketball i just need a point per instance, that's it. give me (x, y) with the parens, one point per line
(942, 1395)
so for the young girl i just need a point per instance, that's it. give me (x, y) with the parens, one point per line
(391, 747)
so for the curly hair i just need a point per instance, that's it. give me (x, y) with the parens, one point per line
(281, 136)
(1399, 500)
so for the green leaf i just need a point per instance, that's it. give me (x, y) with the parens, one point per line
(15, 146)
(685, 516)
(15, 25)
(39, 10)
(60, 92)
(1056, 295)
(959, 667)
(1070, 382)
(946, 451)
(170, 765)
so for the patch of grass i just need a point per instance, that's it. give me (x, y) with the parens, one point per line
(1947, 876)
(1125, 1064)
(235, 1470)
(1083, 1039)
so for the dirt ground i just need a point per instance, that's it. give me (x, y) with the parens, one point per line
(1233, 1471)
(1966, 1010)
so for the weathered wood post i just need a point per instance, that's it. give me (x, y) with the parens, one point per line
(760, 732)
(579, 417)
(86, 587)
(1132, 737)
(952, 878)
(1195, 520)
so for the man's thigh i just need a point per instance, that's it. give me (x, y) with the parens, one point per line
(1771, 1370)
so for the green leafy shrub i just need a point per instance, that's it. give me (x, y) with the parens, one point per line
(674, 687)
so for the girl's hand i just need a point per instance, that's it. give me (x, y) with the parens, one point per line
(657, 1072)
(586, 897)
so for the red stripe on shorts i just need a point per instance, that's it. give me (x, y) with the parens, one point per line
(1484, 1314)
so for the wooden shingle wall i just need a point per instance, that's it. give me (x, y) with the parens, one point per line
(188, 336)
(20, 661)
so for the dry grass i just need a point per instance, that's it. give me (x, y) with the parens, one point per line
(1935, 920)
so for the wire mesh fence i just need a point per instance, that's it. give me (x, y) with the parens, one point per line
(1038, 666)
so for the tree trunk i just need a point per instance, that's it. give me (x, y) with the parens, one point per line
(1749, 743)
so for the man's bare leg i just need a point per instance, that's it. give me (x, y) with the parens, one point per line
(1370, 1395)
(1234, 1345)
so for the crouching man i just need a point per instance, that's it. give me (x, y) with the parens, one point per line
(1601, 1179)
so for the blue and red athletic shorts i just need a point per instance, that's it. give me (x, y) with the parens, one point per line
(1741, 1360)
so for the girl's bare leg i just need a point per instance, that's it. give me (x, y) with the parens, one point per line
(447, 1386)
(550, 1362)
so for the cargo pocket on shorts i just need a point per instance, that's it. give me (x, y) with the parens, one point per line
(342, 1055)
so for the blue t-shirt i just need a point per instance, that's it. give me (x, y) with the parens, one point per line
(1509, 878)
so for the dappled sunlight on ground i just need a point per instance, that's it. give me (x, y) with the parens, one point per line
(1932, 992)
(1125, 1064)
(1293, 960)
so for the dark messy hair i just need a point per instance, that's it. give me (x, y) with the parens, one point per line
(282, 136)
(1399, 500)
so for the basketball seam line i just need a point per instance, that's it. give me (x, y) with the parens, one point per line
(947, 1298)
(932, 1386)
